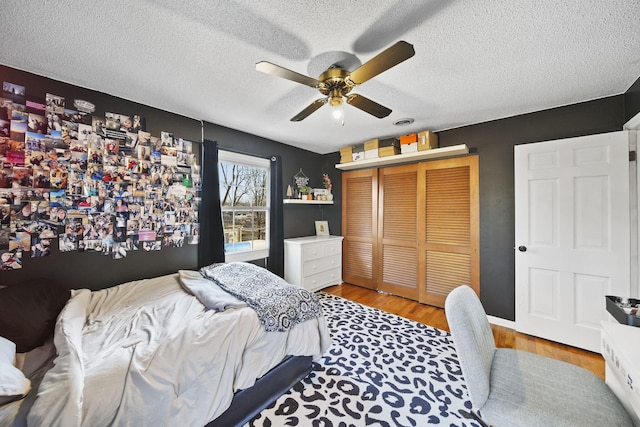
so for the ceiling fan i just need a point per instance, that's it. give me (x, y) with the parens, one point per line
(336, 83)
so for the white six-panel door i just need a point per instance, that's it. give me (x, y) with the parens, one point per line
(572, 235)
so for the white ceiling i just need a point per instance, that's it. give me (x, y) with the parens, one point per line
(476, 60)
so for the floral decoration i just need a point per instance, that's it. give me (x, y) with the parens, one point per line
(326, 181)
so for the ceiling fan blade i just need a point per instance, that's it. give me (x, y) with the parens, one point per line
(368, 106)
(285, 73)
(386, 59)
(310, 109)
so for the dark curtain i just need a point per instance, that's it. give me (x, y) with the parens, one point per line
(276, 225)
(211, 246)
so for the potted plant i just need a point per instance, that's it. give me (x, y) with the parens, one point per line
(305, 191)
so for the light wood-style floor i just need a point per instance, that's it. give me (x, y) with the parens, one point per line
(435, 317)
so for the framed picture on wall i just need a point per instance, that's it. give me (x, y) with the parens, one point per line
(322, 228)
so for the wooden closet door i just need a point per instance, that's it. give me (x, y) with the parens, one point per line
(449, 228)
(397, 231)
(359, 219)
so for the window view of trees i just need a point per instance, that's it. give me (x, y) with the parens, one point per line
(244, 197)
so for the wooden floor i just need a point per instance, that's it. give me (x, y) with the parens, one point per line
(504, 337)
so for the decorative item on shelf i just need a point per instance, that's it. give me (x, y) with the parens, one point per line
(322, 228)
(320, 193)
(306, 192)
(326, 181)
(300, 181)
(289, 191)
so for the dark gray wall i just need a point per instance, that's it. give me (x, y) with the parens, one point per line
(632, 101)
(494, 142)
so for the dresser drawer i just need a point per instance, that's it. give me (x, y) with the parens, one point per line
(324, 279)
(322, 264)
(333, 248)
(315, 251)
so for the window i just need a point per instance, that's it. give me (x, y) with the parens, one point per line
(244, 199)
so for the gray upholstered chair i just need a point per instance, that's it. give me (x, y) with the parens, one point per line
(510, 387)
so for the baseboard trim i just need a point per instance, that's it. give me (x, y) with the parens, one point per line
(502, 322)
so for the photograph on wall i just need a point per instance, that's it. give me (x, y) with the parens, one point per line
(116, 125)
(18, 129)
(5, 109)
(40, 247)
(54, 124)
(139, 124)
(36, 123)
(13, 91)
(5, 128)
(5, 236)
(68, 243)
(75, 116)
(69, 130)
(10, 260)
(20, 241)
(54, 103)
(166, 139)
(19, 112)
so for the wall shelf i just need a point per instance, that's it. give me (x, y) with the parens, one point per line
(306, 202)
(434, 153)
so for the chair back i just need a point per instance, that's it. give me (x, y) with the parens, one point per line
(473, 340)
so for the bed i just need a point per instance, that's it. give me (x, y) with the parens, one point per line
(181, 349)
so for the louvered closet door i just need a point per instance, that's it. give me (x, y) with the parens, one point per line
(359, 218)
(449, 225)
(397, 231)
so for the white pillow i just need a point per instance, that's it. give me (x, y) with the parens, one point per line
(13, 384)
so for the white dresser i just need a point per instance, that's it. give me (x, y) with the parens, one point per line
(621, 352)
(313, 262)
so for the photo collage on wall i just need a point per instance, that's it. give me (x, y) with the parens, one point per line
(90, 183)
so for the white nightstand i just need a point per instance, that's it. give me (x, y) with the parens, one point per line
(313, 262)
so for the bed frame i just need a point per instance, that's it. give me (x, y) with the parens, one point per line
(248, 403)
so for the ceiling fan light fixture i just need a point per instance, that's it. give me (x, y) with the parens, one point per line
(336, 101)
(337, 113)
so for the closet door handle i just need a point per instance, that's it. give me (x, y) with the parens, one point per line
(522, 248)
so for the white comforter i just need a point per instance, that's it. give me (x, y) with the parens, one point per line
(146, 353)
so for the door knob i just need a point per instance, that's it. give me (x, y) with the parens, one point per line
(522, 248)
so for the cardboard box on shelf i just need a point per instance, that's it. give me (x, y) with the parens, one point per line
(427, 140)
(387, 142)
(371, 154)
(408, 139)
(357, 152)
(371, 149)
(390, 150)
(388, 147)
(409, 148)
(371, 145)
(346, 155)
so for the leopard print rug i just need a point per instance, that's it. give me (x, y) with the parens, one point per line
(381, 370)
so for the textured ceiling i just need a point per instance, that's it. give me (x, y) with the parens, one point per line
(475, 60)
